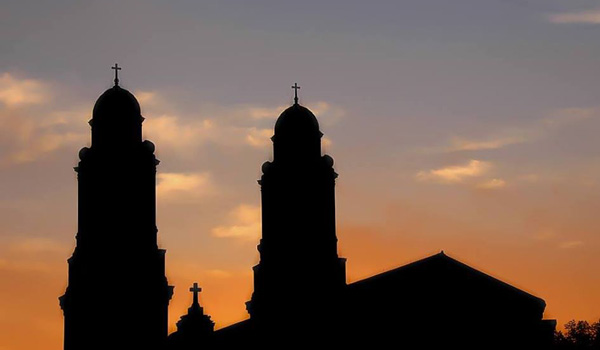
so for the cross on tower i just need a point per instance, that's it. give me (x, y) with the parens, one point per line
(195, 289)
(296, 88)
(117, 69)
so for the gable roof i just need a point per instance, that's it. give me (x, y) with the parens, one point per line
(442, 266)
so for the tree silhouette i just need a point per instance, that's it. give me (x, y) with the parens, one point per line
(596, 333)
(578, 335)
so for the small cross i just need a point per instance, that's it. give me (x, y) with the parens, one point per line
(296, 88)
(195, 289)
(117, 69)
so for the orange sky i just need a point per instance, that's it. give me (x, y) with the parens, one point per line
(32, 284)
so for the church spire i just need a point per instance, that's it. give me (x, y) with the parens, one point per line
(196, 290)
(195, 329)
(296, 88)
(117, 69)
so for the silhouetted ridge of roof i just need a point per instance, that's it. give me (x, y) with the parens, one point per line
(442, 259)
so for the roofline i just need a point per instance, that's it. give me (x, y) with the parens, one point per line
(442, 254)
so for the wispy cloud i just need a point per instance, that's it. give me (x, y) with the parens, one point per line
(518, 134)
(327, 113)
(245, 224)
(219, 273)
(148, 98)
(30, 126)
(20, 92)
(455, 173)
(260, 138)
(461, 144)
(184, 186)
(28, 134)
(576, 17)
(492, 184)
(174, 132)
(265, 112)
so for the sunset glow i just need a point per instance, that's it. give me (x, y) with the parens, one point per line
(465, 126)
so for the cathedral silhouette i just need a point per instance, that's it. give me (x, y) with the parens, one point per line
(118, 295)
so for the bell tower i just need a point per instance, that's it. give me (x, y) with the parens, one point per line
(300, 272)
(117, 294)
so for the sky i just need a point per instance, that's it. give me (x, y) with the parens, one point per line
(467, 125)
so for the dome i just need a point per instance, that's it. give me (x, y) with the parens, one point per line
(116, 101)
(297, 120)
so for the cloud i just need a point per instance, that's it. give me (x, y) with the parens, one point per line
(455, 173)
(492, 184)
(461, 144)
(264, 112)
(259, 138)
(20, 92)
(577, 17)
(45, 143)
(182, 133)
(26, 135)
(509, 136)
(30, 126)
(147, 98)
(173, 132)
(327, 113)
(245, 224)
(570, 244)
(184, 186)
(183, 136)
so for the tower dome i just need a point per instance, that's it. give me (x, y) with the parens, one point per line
(116, 119)
(297, 135)
(297, 121)
(116, 101)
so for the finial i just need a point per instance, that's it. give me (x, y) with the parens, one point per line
(117, 69)
(296, 88)
(195, 289)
